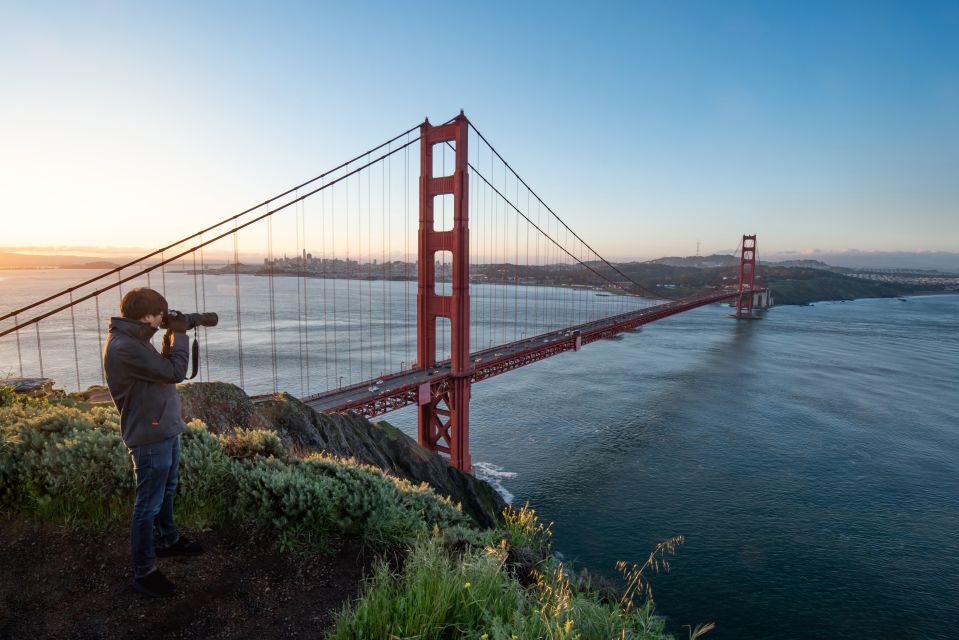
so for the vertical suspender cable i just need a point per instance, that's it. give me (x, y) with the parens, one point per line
(497, 261)
(516, 332)
(564, 291)
(539, 261)
(389, 255)
(473, 244)
(406, 253)
(269, 262)
(551, 297)
(488, 258)
(510, 268)
(382, 274)
(545, 293)
(526, 277)
(236, 293)
(196, 293)
(567, 308)
(19, 353)
(326, 299)
(560, 283)
(163, 272)
(306, 299)
(548, 272)
(206, 347)
(491, 263)
(76, 353)
(475, 218)
(99, 339)
(569, 288)
(587, 287)
(349, 295)
(336, 358)
(577, 274)
(39, 348)
(558, 298)
(359, 275)
(494, 263)
(369, 249)
(299, 302)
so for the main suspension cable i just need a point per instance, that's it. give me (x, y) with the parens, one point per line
(596, 253)
(200, 233)
(121, 280)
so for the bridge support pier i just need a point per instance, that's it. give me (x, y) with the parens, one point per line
(444, 407)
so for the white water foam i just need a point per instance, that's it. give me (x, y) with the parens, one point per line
(494, 475)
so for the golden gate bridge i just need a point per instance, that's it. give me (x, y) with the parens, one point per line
(388, 311)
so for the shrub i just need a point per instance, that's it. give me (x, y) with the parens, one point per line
(246, 443)
(525, 530)
(7, 396)
(473, 596)
(70, 465)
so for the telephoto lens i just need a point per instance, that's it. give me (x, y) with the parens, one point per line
(202, 319)
(177, 321)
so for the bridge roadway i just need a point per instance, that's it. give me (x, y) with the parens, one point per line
(381, 395)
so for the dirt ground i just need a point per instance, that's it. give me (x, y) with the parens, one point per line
(56, 583)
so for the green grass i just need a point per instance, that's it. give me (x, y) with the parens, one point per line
(475, 594)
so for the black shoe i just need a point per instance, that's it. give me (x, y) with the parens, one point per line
(182, 547)
(154, 584)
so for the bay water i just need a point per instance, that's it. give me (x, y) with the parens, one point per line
(810, 458)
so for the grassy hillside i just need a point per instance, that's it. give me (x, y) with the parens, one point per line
(62, 461)
(789, 285)
(801, 286)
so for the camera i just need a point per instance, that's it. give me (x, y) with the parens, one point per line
(178, 321)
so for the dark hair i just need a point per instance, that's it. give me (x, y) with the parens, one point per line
(140, 302)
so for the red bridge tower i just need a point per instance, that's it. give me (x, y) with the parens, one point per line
(444, 406)
(747, 276)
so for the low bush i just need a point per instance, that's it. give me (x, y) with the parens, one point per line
(247, 443)
(61, 463)
(475, 595)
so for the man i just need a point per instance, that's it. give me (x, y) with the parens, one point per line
(142, 383)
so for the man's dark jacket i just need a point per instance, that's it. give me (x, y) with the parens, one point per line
(143, 382)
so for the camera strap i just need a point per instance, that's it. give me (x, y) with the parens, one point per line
(195, 355)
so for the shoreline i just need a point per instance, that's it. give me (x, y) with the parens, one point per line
(916, 294)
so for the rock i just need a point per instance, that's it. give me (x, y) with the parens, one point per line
(33, 387)
(224, 407)
(97, 394)
(221, 406)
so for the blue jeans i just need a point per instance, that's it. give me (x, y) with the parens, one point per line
(156, 469)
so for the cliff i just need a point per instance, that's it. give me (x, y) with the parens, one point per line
(225, 408)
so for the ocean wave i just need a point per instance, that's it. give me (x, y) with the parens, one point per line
(494, 475)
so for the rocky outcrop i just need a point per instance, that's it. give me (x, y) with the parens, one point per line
(225, 407)
(221, 406)
(33, 387)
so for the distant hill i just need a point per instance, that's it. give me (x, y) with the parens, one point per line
(804, 264)
(795, 285)
(789, 284)
(701, 262)
(97, 264)
(942, 261)
(10, 260)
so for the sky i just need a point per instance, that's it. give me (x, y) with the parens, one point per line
(648, 126)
